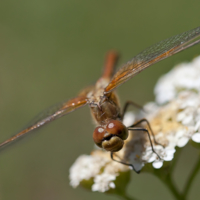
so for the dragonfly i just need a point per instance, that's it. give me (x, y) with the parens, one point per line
(103, 101)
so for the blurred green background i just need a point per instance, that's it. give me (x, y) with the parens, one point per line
(49, 51)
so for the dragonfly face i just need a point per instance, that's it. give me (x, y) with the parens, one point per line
(111, 133)
(111, 136)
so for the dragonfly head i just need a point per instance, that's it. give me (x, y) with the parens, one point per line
(112, 136)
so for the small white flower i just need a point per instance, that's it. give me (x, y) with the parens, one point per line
(196, 137)
(157, 164)
(103, 182)
(129, 119)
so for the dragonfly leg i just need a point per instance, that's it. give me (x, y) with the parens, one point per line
(127, 104)
(128, 164)
(149, 127)
(133, 128)
(145, 130)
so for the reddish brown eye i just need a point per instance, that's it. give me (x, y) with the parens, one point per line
(98, 135)
(117, 128)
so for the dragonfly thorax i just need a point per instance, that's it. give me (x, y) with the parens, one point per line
(105, 109)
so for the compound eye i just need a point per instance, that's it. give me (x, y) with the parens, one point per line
(98, 135)
(117, 128)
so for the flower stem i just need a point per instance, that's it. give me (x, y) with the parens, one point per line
(173, 189)
(165, 175)
(174, 161)
(191, 178)
(167, 180)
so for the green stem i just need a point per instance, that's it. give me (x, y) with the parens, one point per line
(191, 178)
(175, 159)
(173, 189)
(166, 177)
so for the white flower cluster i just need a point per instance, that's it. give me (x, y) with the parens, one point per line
(98, 167)
(173, 124)
(185, 76)
(86, 167)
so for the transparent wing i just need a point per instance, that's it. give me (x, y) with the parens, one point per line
(49, 115)
(153, 54)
